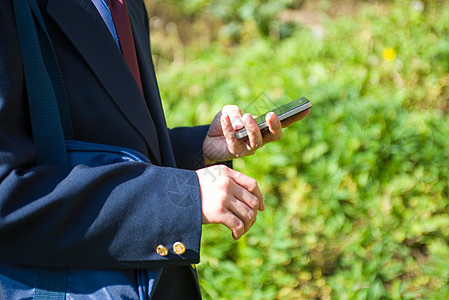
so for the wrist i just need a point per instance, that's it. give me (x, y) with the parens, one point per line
(207, 161)
(206, 149)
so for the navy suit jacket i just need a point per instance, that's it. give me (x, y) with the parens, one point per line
(108, 217)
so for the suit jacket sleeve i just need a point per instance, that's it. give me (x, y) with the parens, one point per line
(188, 155)
(109, 217)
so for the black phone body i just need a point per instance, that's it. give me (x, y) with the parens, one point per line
(282, 112)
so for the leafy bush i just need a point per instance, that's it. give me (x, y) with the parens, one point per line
(235, 14)
(357, 193)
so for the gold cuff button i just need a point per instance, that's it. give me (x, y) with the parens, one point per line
(179, 248)
(161, 250)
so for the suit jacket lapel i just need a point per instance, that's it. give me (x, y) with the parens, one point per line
(141, 40)
(85, 28)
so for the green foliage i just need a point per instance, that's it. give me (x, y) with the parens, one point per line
(234, 13)
(357, 193)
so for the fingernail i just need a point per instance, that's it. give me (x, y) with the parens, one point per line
(269, 115)
(246, 116)
(237, 123)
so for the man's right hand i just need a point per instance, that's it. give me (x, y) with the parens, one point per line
(230, 198)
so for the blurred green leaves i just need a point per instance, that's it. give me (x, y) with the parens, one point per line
(357, 192)
(236, 13)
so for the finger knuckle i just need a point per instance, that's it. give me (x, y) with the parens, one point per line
(251, 214)
(252, 184)
(239, 226)
(254, 202)
(225, 183)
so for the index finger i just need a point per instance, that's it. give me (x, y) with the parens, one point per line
(235, 115)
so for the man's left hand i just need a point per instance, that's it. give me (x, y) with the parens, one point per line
(221, 144)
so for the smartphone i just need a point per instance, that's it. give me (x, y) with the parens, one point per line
(282, 112)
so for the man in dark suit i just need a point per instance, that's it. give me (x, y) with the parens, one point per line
(118, 216)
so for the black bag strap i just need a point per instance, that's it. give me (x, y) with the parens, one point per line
(49, 110)
(50, 115)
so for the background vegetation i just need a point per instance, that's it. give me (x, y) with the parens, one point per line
(357, 193)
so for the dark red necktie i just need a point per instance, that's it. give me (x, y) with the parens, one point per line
(125, 37)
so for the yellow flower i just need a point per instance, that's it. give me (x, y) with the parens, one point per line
(389, 54)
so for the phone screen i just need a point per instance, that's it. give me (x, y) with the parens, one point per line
(283, 112)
